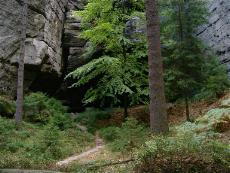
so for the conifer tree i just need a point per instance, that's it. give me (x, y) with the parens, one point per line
(186, 61)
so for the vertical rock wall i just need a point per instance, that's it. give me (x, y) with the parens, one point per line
(73, 48)
(43, 60)
(216, 34)
(73, 45)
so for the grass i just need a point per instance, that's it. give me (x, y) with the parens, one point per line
(38, 147)
(35, 146)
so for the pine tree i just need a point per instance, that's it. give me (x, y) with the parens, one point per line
(19, 103)
(158, 114)
(185, 52)
(185, 59)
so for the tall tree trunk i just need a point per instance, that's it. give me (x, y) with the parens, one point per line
(158, 112)
(125, 95)
(19, 102)
(187, 109)
(125, 106)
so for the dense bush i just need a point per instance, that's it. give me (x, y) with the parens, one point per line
(129, 136)
(7, 107)
(90, 117)
(216, 80)
(37, 147)
(38, 107)
(208, 126)
(191, 147)
(42, 108)
(109, 134)
(183, 154)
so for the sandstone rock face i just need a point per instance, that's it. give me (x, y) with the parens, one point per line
(73, 49)
(43, 43)
(72, 43)
(54, 48)
(217, 32)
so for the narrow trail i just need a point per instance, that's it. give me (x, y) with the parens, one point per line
(99, 145)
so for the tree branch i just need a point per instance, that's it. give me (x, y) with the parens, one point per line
(112, 163)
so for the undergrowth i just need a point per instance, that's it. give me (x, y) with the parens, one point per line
(47, 135)
(90, 117)
(190, 147)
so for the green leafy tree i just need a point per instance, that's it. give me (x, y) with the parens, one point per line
(120, 68)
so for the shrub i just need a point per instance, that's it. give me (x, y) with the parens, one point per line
(216, 80)
(7, 107)
(39, 146)
(129, 136)
(90, 117)
(62, 121)
(182, 154)
(39, 107)
(191, 147)
(109, 134)
(49, 142)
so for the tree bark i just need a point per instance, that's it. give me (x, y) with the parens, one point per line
(158, 112)
(187, 109)
(125, 106)
(19, 102)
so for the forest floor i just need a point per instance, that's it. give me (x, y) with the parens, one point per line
(87, 154)
(110, 161)
(78, 150)
(176, 112)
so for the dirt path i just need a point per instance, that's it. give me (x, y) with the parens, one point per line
(99, 146)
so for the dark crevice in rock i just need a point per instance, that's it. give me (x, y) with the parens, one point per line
(37, 10)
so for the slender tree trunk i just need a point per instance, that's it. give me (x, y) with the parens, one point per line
(125, 95)
(158, 112)
(125, 106)
(19, 102)
(187, 109)
(181, 29)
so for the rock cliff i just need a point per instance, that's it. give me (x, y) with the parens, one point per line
(43, 59)
(216, 34)
(53, 46)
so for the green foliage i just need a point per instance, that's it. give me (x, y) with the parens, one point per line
(62, 121)
(216, 80)
(40, 108)
(38, 147)
(177, 154)
(128, 137)
(119, 68)
(190, 72)
(208, 126)
(90, 117)
(184, 57)
(7, 107)
(50, 142)
(190, 147)
(109, 134)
